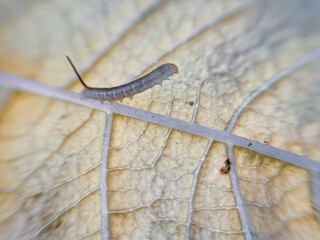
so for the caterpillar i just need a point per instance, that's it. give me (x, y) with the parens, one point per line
(130, 89)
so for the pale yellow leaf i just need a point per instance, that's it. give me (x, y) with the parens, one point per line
(79, 169)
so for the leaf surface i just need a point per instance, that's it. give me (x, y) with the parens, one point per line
(228, 148)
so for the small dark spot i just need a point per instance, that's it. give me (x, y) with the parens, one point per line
(266, 142)
(57, 224)
(222, 74)
(226, 168)
(63, 116)
(250, 144)
(191, 103)
(37, 196)
(314, 208)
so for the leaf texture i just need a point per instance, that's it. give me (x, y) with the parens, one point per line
(228, 148)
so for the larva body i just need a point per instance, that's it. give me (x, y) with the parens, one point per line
(129, 89)
(132, 88)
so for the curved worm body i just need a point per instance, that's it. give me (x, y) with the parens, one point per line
(132, 88)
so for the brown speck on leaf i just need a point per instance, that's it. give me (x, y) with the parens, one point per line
(191, 103)
(226, 168)
(57, 224)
